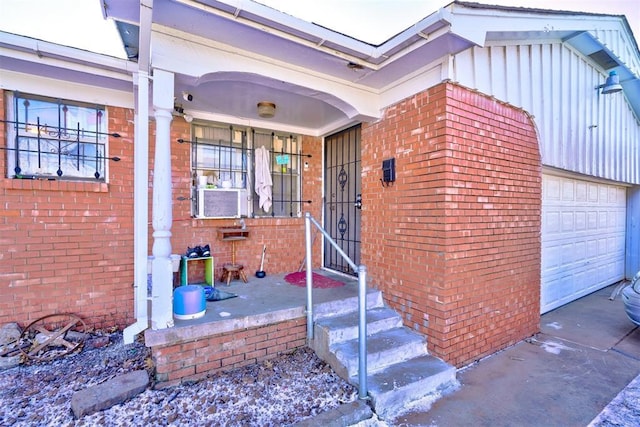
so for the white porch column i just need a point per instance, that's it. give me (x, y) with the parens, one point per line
(162, 273)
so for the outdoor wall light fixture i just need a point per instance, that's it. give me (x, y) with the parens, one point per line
(266, 110)
(611, 85)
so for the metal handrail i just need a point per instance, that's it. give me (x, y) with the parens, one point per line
(362, 300)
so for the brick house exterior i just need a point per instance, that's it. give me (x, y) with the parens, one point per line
(470, 290)
(454, 243)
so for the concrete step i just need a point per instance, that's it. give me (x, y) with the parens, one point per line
(383, 349)
(400, 370)
(330, 331)
(345, 327)
(347, 305)
(409, 381)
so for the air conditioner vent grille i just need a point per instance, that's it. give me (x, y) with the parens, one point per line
(222, 203)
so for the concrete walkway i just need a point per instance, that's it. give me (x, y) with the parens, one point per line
(585, 355)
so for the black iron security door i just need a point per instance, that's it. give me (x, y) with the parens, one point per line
(343, 198)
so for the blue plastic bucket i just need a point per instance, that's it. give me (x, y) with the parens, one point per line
(189, 302)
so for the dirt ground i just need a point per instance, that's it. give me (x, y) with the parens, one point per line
(277, 392)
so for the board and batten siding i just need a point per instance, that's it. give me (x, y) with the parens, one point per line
(620, 45)
(580, 130)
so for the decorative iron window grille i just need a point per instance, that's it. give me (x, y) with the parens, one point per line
(224, 157)
(284, 156)
(56, 139)
(220, 155)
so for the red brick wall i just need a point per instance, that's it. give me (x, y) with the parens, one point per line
(67, 246)
(283, 237)
(460, 256)
(206, 355)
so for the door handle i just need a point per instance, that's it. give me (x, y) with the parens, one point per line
(358, 202)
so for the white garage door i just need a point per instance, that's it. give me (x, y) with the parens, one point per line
(583, 238)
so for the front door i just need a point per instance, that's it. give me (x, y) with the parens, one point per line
(343, 198)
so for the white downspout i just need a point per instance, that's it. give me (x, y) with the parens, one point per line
(140, 210)
(141, 176)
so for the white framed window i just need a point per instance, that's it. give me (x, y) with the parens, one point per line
(55, 139)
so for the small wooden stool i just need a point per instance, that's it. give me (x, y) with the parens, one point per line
(231, 270)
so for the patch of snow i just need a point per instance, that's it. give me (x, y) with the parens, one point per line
(554, 325)
(372, 422)
(554, 347)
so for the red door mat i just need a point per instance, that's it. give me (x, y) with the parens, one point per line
(299, 278)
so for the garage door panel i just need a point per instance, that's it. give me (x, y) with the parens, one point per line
(552, 260)
(583, 238)
(581, 191)
(592, 220)
(568, 193)
(567, 222)
(581, 221)
(551, 223)
(593, 192)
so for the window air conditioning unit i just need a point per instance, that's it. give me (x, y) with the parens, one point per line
(222, 203)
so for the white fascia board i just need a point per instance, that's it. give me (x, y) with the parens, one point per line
(57, 62)
(318, 37)
(41, 51)
(317, 34)
(474, 24)
(194, 56)
(55, 88)
(417, 82)
(435, 21)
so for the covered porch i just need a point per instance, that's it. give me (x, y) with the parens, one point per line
(267, 317)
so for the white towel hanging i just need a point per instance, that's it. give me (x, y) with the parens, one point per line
(263, 178)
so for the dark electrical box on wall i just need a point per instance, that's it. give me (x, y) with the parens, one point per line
(388, 171)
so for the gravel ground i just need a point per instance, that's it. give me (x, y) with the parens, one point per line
(276, 392)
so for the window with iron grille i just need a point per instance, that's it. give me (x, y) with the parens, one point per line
(55, 139)
(224, 158)
(284, 168)
(219, 154)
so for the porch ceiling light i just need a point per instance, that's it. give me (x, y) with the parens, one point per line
(611, 85)
(266, 110)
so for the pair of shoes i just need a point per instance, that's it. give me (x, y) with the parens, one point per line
(206, 250)
(198, 251)
(192, 252)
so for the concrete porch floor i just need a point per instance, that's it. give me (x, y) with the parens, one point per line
(259, 302)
